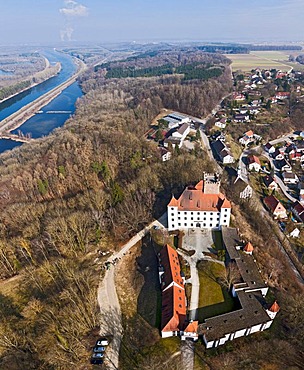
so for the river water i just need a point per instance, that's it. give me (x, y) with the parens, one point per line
(43, 123)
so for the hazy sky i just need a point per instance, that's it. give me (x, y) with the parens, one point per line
(128, 20)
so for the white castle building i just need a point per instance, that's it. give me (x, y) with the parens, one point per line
(201, 206)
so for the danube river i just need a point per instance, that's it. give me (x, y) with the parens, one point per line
(43, 123)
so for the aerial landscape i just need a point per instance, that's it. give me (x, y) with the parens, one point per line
(151, 185)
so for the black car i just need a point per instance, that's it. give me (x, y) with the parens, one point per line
(96, 361)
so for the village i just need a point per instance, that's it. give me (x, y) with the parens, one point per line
(212, 286)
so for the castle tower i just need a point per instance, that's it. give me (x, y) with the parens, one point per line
(248, 249)
(211, 183)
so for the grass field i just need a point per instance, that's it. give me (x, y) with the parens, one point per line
(213, 299)
(260, 59)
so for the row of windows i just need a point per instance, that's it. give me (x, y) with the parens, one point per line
(200, 225)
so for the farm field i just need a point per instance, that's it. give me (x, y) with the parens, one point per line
(260, 59)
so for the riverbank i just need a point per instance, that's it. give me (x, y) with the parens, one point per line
(57, 71)
(18, 118)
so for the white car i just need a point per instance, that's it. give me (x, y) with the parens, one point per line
(102, 342)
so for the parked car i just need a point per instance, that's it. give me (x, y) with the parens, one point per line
(98, 355)
(99, 349)
(102, 342)
(96, 361)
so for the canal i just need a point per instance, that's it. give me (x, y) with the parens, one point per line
(43, 123)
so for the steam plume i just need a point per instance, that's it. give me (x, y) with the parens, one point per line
(71, 11)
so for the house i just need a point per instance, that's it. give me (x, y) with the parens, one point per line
(270, 183)
(278, 154)
(238, 96)
(173, 314)
(181, 132)
(221, 123)
(178, 136)
(247, 138)
(298, 211)
(275, 207)
(164, 153)
(222, 151)
(201, 206)
(295, 233)
(269, 148)
(290, 178)
(281, 95)
(241, 118)
(254, 163)
(301, 191)
(282, 165)
(241, 188)
(254, 315)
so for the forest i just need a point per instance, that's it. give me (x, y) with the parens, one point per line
(67, 198)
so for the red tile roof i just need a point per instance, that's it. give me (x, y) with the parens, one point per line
(191, 327)
(253, 159)
(273, 203)
(275, 307)
(173, 292)
(194, 199)
(248, 247)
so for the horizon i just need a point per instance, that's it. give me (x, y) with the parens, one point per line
(117, 21)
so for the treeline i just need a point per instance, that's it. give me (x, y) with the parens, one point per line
(190, 71)
(300, 59)
(244, 48)
(8, 91)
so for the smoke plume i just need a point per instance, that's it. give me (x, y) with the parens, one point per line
(71, 11)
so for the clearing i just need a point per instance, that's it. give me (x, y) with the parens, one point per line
(261, 59)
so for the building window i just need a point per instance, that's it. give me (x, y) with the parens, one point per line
(192, 213)
(191, 218)
(210, 225)
(179, 224)
(204, 225)
(226, 210)
(185, 224)
(172, 226)
(191, 225)
(178, 213)
(204, 218)
(178, 218)
(205, 213)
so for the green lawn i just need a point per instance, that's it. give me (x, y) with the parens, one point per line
(213, 299)
(217, 239)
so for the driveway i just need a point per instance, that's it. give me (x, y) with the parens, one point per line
(111, 323)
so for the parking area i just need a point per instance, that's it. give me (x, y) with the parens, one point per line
(199, 240)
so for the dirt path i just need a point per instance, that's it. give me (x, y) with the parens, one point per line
(111, 323)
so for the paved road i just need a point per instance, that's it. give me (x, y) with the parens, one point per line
(187, 354)
(111, 323)
(242, 168)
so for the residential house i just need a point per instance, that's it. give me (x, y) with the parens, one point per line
(221, 123)
(298, 211)
(254, 163)
(270, 183)
(269, 148)
(238, 96)
(241, 188)
(178, 136)
(247, 138)
(301, 191)
(201, 206)
(254, 315)
(278, 154)
(295, 233)
(241, 118)
(164, 153)
(282, 165)
(222, 151)
(290, 178)
(281, 95)
(276, 208)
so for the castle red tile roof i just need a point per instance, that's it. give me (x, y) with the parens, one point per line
(194, 199)
(173, 292)
(275, 307)
(248, 247)
(191, 327)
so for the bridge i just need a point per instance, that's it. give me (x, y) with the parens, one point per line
(21, 139)
(55, 112)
